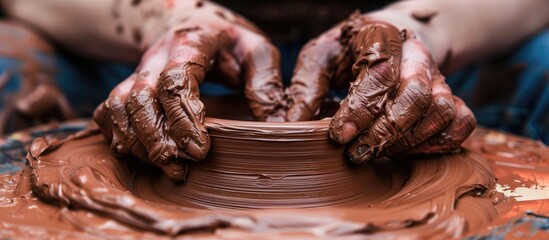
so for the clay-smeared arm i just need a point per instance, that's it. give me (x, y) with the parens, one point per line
(459, 32)
(398, 100)
(156, 114)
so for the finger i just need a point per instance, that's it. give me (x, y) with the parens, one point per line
(44, 99)
(411, 101)
(190, 53)
(376, 48)
(451, 138)
(112, 119)
(440, 115)
(147, 116)
(261, 71)
(148, 121)
(312, 75)
(102, 119)
(40, 101)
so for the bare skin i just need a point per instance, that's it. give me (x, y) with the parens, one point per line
(156, 114)
(398, 102)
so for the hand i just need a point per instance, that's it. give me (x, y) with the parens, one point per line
(156, 114)
(36, 97)
(398, 100)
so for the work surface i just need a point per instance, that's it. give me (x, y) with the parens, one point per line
(521, 167)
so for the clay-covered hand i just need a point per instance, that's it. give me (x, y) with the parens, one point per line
(29, 94)
(156, 114)
(398, 101)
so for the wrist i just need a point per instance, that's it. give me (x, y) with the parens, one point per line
(149, 21)
(415, 17)
(176, 14)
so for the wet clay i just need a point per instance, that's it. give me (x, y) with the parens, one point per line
(522, 170)
(377, 118)
(258, 165)
(255, 183)
(160, 118)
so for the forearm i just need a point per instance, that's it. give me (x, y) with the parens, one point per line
(460, 32)
(113, 29)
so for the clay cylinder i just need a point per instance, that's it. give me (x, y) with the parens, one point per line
(272, 165)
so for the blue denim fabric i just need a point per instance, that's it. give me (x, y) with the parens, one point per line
(525, 108)
(13, 80)
(12, 68)
(88, 83)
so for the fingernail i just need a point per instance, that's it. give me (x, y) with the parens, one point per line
(360, 155)
(275, 118)
(348, 131)
(197, 148)
(175, 171)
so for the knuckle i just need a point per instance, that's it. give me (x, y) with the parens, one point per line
(444, 109)
(181, 77)
(140, 97)
(385, 133)
(115, 107)
(417, 93)
(363, 104)
(443, 101)
(170, 78)
(419, 84)
(100, 113)
(466, 118)
(196, 106)
(467, 125)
